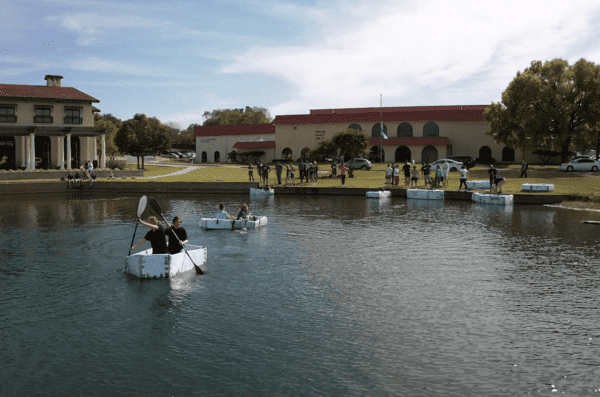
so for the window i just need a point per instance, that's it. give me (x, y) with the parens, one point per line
(72, 116)
(43, 115)
(319, 135)
(7, 115)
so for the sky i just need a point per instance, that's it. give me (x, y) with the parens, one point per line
(174, 60)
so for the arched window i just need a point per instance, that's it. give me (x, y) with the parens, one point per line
(355, 126)
(287, 153)
(304, 153)
(431, 129)
(377, 154)
(405, 130)
(485, 154)
(508, 154)
(217, 157)
(403, 154)
(204, 157)
(429, 154)
(376, 130)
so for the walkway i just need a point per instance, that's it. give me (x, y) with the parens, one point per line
(180, 172)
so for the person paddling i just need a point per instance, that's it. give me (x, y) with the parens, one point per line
(176, 234)
(156, 236)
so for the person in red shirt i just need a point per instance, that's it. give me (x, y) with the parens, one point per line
(343, 171)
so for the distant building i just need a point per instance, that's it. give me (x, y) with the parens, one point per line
(214, 143)
(46, 126)
(413, 133)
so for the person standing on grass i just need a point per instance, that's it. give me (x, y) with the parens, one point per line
(343, 171)
(309, 172)
(406, 169)
(463, 178)
(259, 170)
(426, 168)
(415, 177)
(290, 174)
(524, 167)
(266, 170)
(438, 176)
(492, 171)
(396, 176)
(334, 169)
(498, 183)
(316, 172)
(278, 171)
(302, 167)
(388, 175)
(251, 173)
(445, 172)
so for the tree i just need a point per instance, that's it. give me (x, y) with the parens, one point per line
(141, 136)
(110, 124)
(325, 148)
(553, 105)
(351, 143)
(250, 115)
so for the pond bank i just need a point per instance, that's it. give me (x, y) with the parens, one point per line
(124, 186)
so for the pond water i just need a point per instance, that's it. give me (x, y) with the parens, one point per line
(336, 296)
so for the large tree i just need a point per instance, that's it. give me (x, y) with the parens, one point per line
(348, 143)
(250, 115)
(141, 136)
(110, 124)
(554, 105)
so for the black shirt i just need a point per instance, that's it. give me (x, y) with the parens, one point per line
(157, 240)
(174, 246)
(406, 169)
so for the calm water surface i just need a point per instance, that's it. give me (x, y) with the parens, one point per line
(335, 297)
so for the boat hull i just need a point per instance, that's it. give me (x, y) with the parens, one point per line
(146, 265)
(261, 192)
(215, 224)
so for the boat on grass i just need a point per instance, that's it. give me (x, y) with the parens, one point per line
(144, 264)
(252, 222)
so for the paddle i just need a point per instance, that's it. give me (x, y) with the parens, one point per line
(141, 208)
(156, 208)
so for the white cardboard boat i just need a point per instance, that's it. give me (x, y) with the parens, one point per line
(379, 194)
(424, 194)
(261, 192)
(146, 265)
(537, 187)
(252, 222)
(478, 184)
(497, 199)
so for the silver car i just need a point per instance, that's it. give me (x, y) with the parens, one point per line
(454, 165)
(358, 163)
(580, 165)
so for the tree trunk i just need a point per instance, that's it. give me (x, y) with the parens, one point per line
(138, 162)
(142, 161)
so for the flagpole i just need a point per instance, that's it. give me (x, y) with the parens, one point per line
(381, 128)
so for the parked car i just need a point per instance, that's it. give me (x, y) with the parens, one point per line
(454, 165)
(359, 163)
(582, 164)
(169, 155)
(468, 161)
(188, 153)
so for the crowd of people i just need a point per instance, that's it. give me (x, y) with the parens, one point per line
(77, 177)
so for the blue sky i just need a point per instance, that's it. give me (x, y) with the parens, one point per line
(176, 59)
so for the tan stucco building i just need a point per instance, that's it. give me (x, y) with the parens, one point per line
(413, 133)
(213, 143)
(45, 126)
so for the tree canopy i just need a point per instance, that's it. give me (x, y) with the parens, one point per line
(553, 105)
(249, 115)
(111, 125)
(348, 144)
(142, 136)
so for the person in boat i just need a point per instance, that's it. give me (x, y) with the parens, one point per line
(221, 213)
(176, 234)
(243, 212)
(156, 236)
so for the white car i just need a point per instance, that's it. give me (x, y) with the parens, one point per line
(454, 165)
(580, 165)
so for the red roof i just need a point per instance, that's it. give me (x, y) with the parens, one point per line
(414, 141)
(243, 129)
(43, 92)
(255, 144)
(373, 115)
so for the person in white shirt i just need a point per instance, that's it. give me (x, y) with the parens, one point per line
(463, 178)
(388, 174)
(221, 214)
(445, 170)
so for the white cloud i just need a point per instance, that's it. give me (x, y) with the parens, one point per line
(420, 50)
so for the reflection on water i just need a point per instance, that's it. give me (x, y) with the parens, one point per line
(336, 296)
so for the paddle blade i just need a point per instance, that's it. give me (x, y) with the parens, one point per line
(142, 206)
(155, 206)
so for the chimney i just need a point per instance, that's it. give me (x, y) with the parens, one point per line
(52, 80)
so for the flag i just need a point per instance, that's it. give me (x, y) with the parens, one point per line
(381, 129)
